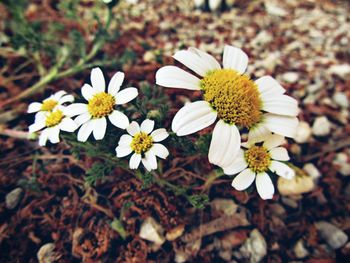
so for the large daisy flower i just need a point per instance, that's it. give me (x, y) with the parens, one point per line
(51, 123)
(101, 104)
(144, 144)
(254, 163)
(50, 103)
(232, 97)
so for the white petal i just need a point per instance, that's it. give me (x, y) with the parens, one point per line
(150, 160)
(193, 117)
(66, 98)
(194, 61)
(115, 83)
(282, 125)
(160, 150)
(282, 169)
(268, 86)
(238, 165)
(126, 95)
(135, 161)
(75, 109)
(235, 58)
(82, 118)
(54, 134)
(214, 4)
(58, 95)
(37, 125)
(279, 154)
(258, 133)
(224, 145)
(159, 135)
(85, 131)
(100, 127)
(44, 135)
(209, 59)
(123, 151)
(147, 126)
(281, 104)
(273, 140)
(88, 92)
(146, 164)
(174, 77)
(125, 140)
(34, 107)
(119, 119)
(68, 125)
(40, 116)
(98, 80)
(264, 186)
(243, 180)
(133, 128)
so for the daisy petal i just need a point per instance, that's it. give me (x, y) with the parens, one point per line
(146, 164)
(58, 95)
(269, 86)
(193, 117)
(273, 140)
(282, 169)
(126, 95)
(160, 150)
(82, 118)
(66, 98)
(279, 154)
(224, 145)
(85, 131)
(37, 125)
(174, 77)
(282, 105)
(68, 125)
(115, 83)
(209, 59)
(125, 140)
(235, 58)
(147, 126)
(44, 135)
(258, 133)
(54, 133)
(100, 126)
(133, 128)
(34, 107)
(119, 119)
(75, 109)
(135, 161)
(264, 186)
(159, 135)
(238, 165)
(88, 92)
(98, 80)
(243, 180)
(282, 125)
(151, 161)
(123, 151)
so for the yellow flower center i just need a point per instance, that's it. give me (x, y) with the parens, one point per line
(101, 105)
(49, 105)
(141, 143)
(235, 97)
(54, 118)
(258, 158)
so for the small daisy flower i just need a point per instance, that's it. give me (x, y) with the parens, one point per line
(51, 123)
(101, 104)
(255, 161)
(51, 102)
(232, 97)
(143, 143)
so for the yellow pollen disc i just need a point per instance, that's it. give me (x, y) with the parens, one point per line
(54, 118)
(101, 105)
(141, 143)
(235, 97)
(49, 105)
(258, 158)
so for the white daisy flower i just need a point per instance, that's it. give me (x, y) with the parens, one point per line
(255, 161)
(230, 96)
(101, 104)
(51, 123)
(144, 144)
(51, 102)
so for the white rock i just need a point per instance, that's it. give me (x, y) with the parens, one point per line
(341, 99)
(342, 71)
(13, 198)
(152, 231)
(295, 186)
(290, 77)
(341, 160)
(46, 253)
(275, 10)
(311, 170)
(262, 38)
(299, 249)
(335, 237)
(321, 126)
(254, 248)
(303, 133)
(223, 206)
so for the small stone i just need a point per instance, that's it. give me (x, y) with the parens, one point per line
(321, 126)
(254, 248)
(311, 170)
(289, 202)
(13, 198)
(221, 206)
(299, 184)
(262, 38)
(152, 231)
(149, 56)
(46, 254)
(277, 210)
(225, 255)
(334, 237)
(303, 133)
(341, 160)
(342, 71)
(299, 249)
(275, 10)
(175, 232)
(341, 99)
(290, 77)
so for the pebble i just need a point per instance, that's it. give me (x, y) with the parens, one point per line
(341, 160)
(152, 231)
(174, 233)
(46, 253)
(254, 248)
(275, 10)
(13, 198)
(290, 77)
(334, 237)
(311, 170)
(222, 206)
(303, 133)
(342, 71)
(299, 249)
(289, 202)
(341, 99)
(295, 186)
(321, 126)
